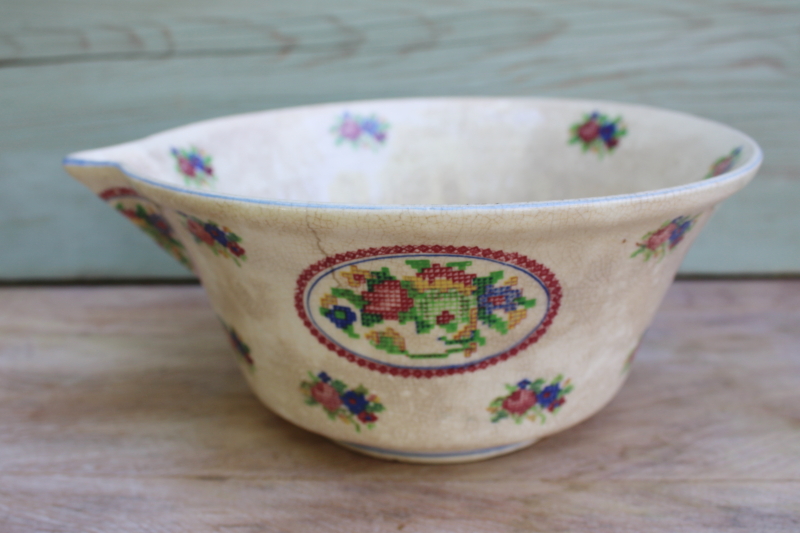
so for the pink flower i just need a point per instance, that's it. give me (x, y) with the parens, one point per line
(186, 166)
(235, 249)
(350, 129)
(327, 396)
(556, 404)
(722, 167)
(200, 232)
(367, 418)
(660, 237)
(589, 131)
(520, 401)
(388, 300)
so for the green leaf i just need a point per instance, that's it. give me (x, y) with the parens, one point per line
(497, 323)
(338, 386)
(351, 333)
(370, 319)
(423, 326)
(428, 355)
(407, 316)
(374, 408)
(452, 327)
(408, 286)
(361, 389)
(418, 264)
(499, 416)
(460, 265)
(350, 296)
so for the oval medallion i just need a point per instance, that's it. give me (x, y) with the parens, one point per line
(425, 311)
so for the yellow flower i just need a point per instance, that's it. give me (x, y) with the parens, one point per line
(328, 300)
(356, 277)
(516, 316)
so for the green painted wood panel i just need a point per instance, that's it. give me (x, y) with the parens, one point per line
(89, 73)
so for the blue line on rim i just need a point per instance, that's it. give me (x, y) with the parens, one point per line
(754, 162)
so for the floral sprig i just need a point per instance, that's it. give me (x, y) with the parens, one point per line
(156, 226)
(352, 406)
(220, 239)
(194, 165)
(598, 133)
(530, 400)
(658, 242)
(242, 349)
(724, 164)
(360, 131)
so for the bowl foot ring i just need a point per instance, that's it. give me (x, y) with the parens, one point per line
(462, 456)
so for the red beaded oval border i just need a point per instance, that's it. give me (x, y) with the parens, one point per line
(540, 271)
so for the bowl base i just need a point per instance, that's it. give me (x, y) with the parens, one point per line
(463, 456)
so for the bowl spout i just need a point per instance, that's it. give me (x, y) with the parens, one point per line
(111, 184)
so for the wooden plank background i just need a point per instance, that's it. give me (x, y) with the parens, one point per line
(88, 73)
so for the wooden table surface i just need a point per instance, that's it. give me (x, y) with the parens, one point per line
(122, 410)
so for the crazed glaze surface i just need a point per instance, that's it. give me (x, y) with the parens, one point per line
(431, 280)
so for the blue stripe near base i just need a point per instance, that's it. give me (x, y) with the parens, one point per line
(442, 455)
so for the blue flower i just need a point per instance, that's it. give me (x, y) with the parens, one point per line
(197, 162)
(682, 225)
(370, 125)
(341, 316)
(323, 377)
(549, 395)
(373, 127)
(216, 233)
(608, 131)
(499, 298)
(354, 401)
(524, 384)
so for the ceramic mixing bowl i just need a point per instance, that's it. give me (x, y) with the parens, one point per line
(430, 280)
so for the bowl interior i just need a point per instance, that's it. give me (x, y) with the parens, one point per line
(439, 151)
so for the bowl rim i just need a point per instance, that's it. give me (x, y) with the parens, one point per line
(76, 159)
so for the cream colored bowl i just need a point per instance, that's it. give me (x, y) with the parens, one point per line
(431, 280)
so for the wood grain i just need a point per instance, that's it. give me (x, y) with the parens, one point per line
(122, 409)
(84, 74)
